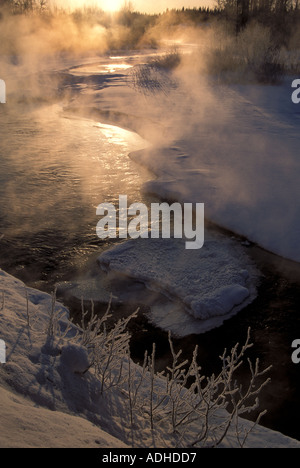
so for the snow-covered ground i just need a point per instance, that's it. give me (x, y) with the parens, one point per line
(26, 425)
(46, 400)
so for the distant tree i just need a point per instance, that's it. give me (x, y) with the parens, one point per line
(278, 15)
(24, 6)
(127, 6)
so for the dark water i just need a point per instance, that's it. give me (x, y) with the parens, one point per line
(55, 171)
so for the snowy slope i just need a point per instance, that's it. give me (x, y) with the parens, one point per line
(28, 426)
(40, 392)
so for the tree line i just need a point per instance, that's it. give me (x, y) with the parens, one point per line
(281, 16)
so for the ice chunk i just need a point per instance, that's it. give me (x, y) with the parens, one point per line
(220, 302)
(215, 281)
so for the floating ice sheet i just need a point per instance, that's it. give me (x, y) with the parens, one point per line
(204, 287)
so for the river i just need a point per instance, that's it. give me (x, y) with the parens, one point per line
(55, 171)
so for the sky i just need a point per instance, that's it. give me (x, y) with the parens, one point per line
(144, 6)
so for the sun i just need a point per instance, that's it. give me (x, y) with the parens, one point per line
(106, 5)
(111, 5)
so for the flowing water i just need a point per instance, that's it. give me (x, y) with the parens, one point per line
(55, 171)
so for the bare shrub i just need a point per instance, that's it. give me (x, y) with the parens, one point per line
(201, 413)
(250, 56)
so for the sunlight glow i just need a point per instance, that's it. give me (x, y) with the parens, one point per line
(100, 69)
(106, 5)
(155, 6)
(111, 5)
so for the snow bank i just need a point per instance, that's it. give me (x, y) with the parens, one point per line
(41, 390)
(46, 400)
(211, 284)
(24, 425)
